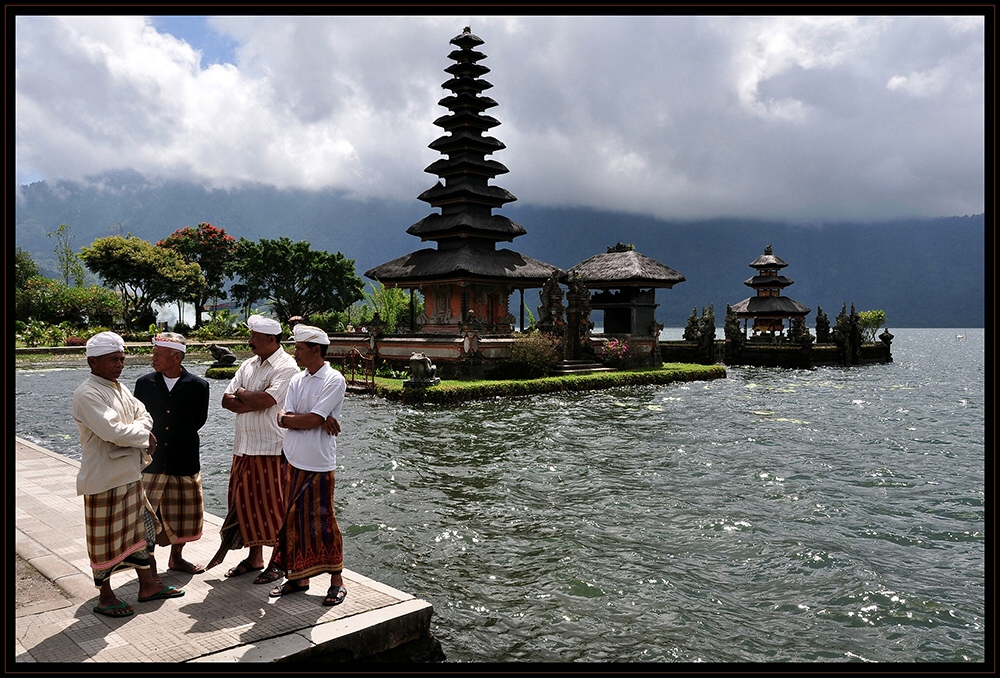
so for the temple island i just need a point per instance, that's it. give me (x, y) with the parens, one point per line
(466, 280)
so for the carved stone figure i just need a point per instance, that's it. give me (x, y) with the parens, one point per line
(422, 371)
(550, 313)
(223, 356)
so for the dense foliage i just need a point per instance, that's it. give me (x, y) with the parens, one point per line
(25, 267)
(213, 251)
(294, 278)
(53, 302)
(142, 274)
(870, 321)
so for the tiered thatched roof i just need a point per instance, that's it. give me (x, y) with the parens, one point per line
(769, 302)
(461, 263)
(466, 230)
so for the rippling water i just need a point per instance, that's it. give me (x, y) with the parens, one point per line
(826, 515)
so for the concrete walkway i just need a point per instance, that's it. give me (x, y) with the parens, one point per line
(217, 620)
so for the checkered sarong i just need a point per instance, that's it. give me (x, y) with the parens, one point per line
(178, 504)
(120, 530)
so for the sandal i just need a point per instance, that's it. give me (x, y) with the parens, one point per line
(269, 575)
(286, 588)
(242, 568)
(121, 610)
(335, 595)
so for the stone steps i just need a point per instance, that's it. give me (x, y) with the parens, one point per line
(580, 367)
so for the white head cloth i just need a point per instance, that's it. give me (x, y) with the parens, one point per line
(310, 334)
(103, 343)
(263, 324)
(160, 340)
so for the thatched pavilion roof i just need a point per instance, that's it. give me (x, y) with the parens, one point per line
(769, 306)
(466, 262)
(625, 269)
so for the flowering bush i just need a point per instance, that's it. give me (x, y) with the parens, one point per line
(617, 353)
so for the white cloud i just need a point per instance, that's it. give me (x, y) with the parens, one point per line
(672, 116)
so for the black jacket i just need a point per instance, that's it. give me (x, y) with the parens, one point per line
(177, 416)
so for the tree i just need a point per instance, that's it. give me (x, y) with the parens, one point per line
(142, 273)
(293, 278)
(70, 267)
(214, 251)
(25, 268)
(870, 321)
(391, 303)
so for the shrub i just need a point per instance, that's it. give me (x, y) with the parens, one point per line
(617, 353)
(182, 328)
(38, 333)
(534, 354)
(76, 341)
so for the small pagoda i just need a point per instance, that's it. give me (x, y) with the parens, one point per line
(465, 281)
(768, 309)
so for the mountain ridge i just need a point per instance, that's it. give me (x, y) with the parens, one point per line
(924, 272)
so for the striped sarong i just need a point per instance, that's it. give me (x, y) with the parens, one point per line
(178, 504)
(121, 530)
(256, 504)
(309, 542)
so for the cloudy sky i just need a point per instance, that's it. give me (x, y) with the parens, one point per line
(804, 118)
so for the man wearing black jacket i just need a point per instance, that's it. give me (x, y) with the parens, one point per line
(178, 403)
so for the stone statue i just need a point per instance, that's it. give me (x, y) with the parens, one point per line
(422, 372)
(822, 327)
(550, 313)
(223, 356)
(691, 329)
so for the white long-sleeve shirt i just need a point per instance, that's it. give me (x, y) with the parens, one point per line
(114, 434)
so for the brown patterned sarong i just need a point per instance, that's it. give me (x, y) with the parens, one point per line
(178, 504)
(310, 541)
(120, 530)
(256, 504)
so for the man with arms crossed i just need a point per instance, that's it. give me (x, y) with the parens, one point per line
(310, 541)
(256, 500)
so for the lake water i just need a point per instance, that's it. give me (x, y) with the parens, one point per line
(826, 515)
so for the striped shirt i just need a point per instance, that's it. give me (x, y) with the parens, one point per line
(257, 432)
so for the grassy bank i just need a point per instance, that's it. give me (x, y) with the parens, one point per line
(450, 392)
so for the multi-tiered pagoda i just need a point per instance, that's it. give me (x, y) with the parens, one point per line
(466, 279)
(768, 310)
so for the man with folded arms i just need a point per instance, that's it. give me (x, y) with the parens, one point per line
(256, 501)
(310, 542)
(178, 403)
(117, 440)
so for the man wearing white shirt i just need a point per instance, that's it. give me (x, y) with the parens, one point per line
(310, 542)
(255, 497)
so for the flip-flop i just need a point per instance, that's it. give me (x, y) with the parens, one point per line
(242, 568)
(286, 588)
(122, 610)
(168, 592)
(335, 595)
(270, 575)
(197, 569)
